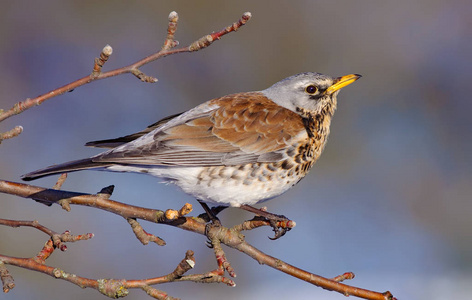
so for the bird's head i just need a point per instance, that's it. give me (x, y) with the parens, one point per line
(309, 92)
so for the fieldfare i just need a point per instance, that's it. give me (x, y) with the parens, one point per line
(236, 150)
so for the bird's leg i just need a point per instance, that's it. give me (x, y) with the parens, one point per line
(217, 209)
(279, 223)
(211, 215)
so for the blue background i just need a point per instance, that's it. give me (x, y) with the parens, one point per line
(390, 199)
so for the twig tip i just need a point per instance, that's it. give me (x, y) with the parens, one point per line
(12, 133)
(171, 214)
(107, 50)
(173, 16)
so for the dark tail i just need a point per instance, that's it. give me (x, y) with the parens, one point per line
(72, 166)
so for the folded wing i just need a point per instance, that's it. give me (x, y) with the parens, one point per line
(233, 129)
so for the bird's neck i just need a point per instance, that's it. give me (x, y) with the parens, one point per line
(317, 123)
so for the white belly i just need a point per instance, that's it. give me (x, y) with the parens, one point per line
(221, 185)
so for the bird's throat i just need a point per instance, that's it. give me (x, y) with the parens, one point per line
(317, 124)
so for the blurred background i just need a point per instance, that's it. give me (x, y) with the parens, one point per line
(390, 198)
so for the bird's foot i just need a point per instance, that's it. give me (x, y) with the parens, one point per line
(212, 219)
(280, 224)
(214, 223)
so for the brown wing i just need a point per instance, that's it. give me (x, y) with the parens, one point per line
(256, 124)
(240, 128)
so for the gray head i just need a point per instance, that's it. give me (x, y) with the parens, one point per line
(311, 92)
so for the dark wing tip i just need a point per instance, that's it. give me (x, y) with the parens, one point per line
(72, 166)
(26, 177)
(31, 176)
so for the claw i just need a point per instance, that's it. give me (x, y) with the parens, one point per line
(279, 223)
(208, 226)
(209, 244)
(280, 231)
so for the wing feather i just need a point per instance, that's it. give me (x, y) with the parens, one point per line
(234, 129)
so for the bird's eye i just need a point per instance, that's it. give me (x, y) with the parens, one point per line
(311, 89)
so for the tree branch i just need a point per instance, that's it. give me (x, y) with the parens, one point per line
(112, 288)
(229, 237)
(57, 238)
(11, 133)
(96, 74)
(7, 279)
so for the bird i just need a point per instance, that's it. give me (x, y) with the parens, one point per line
(232, 151)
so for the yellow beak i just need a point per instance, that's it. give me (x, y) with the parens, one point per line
(342, 82)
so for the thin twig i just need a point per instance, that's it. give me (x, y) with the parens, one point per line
(143, 236)
(345, 276)
(60, 181)
(101, 60)
(57, 238)
(7, 280)
(157, 294)
(133, 68)
(183, 267)
(11, 133)
(170, 42)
